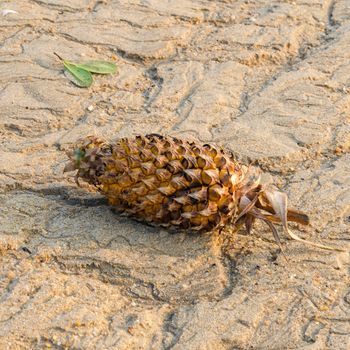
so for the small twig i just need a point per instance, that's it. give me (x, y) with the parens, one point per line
(56, 54)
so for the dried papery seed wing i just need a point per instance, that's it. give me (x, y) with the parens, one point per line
(252, 181)
(297, 238)
(260, 216)
(245, 206)
(278, 200)
(292, 215)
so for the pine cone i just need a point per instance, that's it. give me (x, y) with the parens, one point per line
(180, 184)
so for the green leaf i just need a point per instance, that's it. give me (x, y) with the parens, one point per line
(78, 76)
(100, 67)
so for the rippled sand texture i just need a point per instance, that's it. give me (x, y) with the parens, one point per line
(269, 80)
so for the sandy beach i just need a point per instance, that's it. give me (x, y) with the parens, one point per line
(268, 80)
